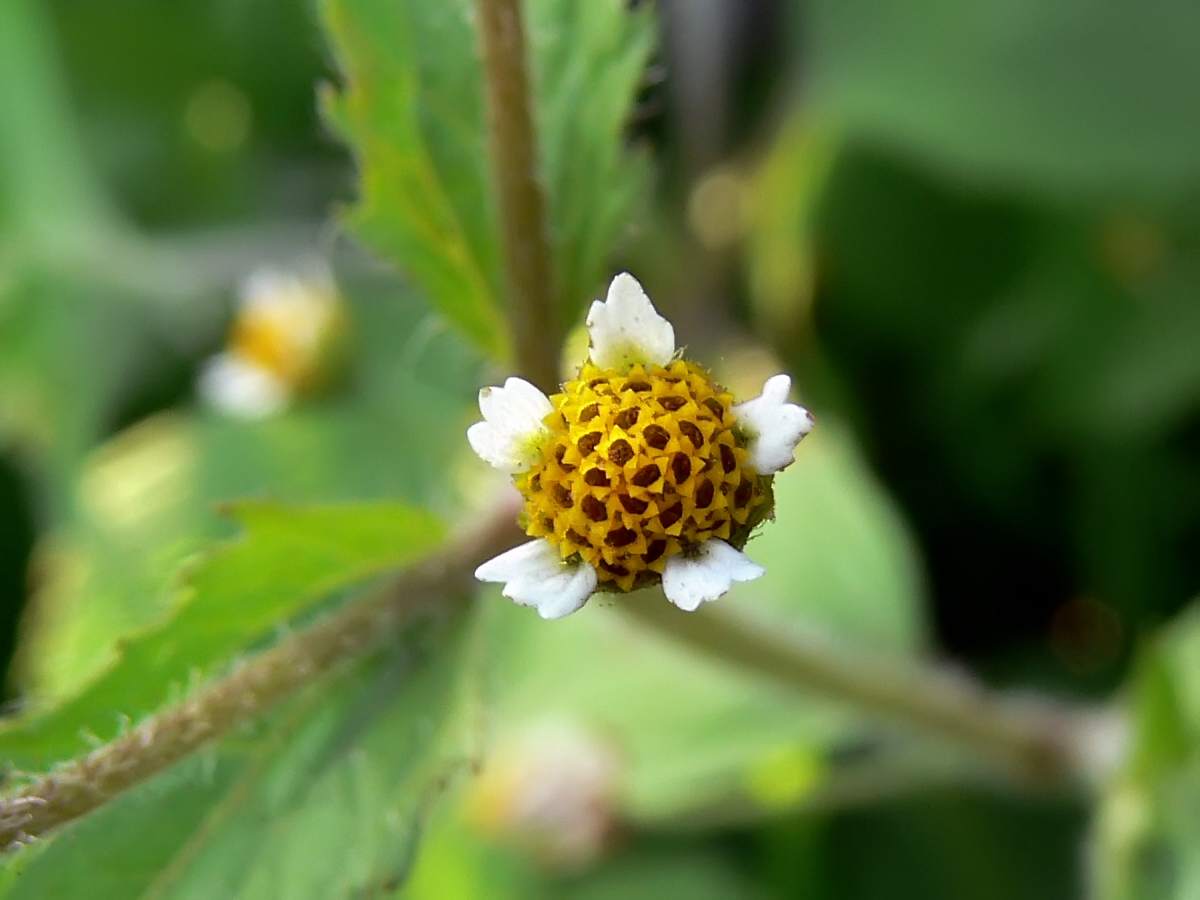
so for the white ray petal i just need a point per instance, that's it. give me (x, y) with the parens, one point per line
(511, 434)
(534, 575)
(689, 581)
(240, 388)
(625, 329)
(773, 425)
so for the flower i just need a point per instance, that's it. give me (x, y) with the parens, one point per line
(284, 330)
(551, 787)
(641, 470)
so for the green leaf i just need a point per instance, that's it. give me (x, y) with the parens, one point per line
(696, 734)
(780, 246)
(456, 863)
(288, 560)
(1066, 96)
(47, 190)
(324, 802)
(67, 349)
(650, 875)
(588, 60)
(411, 106)
(412, 109)
(1146, 840)
(839, 554)
(142, 502)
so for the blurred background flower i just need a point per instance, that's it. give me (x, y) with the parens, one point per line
(283, 342)
(551, 789)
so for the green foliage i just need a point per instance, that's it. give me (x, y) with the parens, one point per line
(66, 346)
(1017, 368)
(781, 267)
(588, 60)
(140, 505)
(289, 560)
(830, 510)
(412, 109)
(938, 845)
(666, 873)
(696, 734)
(46, 190)
(456, 864)
(325, 801)
(1057, 96)
(1147, 829)
(1019, 363)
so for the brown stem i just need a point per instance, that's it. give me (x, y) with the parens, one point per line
(537, 331)
(1038, 742)
(252, 687)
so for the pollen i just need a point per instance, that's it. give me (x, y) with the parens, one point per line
(640, 466)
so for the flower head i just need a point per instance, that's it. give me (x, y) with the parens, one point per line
(283, 330)
(641, 470)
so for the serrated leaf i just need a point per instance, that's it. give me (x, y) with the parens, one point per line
(288, 560)
(588, 60)
(142, 502)
(324, 803)
(412, 108)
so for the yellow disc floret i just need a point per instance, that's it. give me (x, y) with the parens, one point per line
(640, 466)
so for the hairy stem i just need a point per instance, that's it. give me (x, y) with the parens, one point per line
(252, 687)
(1040, 743)
(537, 330)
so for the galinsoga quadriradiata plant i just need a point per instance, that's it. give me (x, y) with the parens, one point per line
(641, 470)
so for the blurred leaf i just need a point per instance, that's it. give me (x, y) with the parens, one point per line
(694, 733)
(1056, 95)
(47, 191)
(1020, 375)
(325, 802)
(839, 555)
(1162, 738)
(288, 560)
(1145, 842)
(941, 846)
(67, 350)
(786, 191)
(139, 74)
(652, 875)
(141, 504)
(457, 864)
(412, 108)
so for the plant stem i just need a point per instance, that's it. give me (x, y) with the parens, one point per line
(1040, 743)
(252, 687)
(537, 330)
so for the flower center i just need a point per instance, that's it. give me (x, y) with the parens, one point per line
(640, 466)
